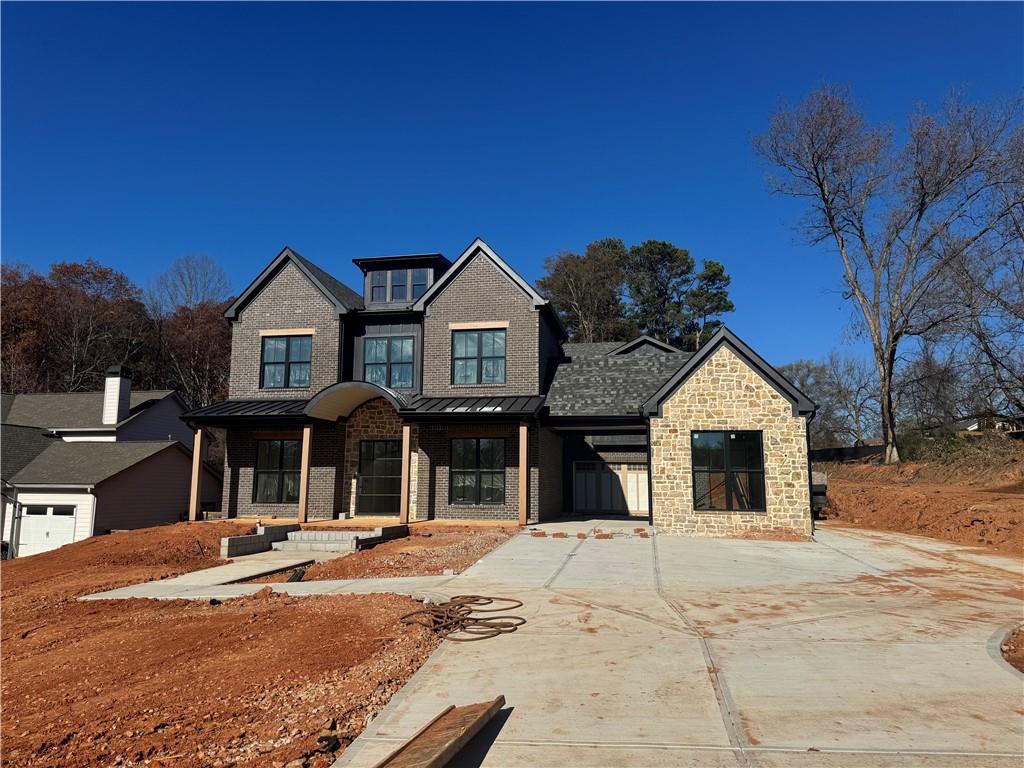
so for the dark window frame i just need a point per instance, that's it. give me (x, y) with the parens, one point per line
(280, 471)
(409, 283)
(362, 497)
(480, 357)
(287, 362)
(477, 472)
(389, 363)
(728, 471)
(383, 286)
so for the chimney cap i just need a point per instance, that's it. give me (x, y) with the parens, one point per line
(122, 371)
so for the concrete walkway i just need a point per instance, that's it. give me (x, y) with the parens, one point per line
(198, 583)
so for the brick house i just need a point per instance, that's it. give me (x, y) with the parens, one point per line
(448, 390)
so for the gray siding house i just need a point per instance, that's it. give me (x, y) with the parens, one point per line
(449, 391)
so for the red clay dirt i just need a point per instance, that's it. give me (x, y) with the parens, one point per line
(910, 499)
(1013, 649)
(249, 682)
(429, 550)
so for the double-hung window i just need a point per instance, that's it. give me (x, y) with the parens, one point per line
(477, 471)
(728, 471)
(285, 361)
(379, 285)
(387, 361)
(419, 282)
(478, 357)
(399, 284)
(277, 471)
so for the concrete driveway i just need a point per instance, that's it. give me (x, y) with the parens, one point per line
(858, 649)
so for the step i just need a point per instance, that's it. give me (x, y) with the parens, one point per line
(315, 546)
(308, 536)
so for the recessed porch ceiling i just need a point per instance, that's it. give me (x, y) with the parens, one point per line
(339, 400)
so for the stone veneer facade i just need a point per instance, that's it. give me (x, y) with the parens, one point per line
(375, 420)
(726, 394)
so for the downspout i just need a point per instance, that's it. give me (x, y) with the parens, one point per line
(650, 476)
(810, 470)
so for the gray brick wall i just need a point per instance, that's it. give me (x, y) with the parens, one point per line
(481, 293)
(288, 301)
(326, 489)
(434, 460)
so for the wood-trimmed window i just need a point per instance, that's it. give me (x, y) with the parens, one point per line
(728, 471)
(278, 466)
(477, 474)
(388, 361)
(285, 362)
(478, 357)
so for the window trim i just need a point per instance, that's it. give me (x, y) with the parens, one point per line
(280, 471)
(388, 362)
(728, 471)
(477, 472)
(480, 357)
(287, 362)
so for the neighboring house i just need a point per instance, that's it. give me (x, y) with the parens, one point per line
(85, 463)
(449, 391)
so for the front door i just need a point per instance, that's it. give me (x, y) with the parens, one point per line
(380, 477)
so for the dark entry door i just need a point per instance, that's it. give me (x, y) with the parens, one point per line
(380, 477)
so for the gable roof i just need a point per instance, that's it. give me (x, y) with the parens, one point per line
(591, 382)
(644, 341)
(82, 464)
(802, 404)
(73, 410)
(341, 297)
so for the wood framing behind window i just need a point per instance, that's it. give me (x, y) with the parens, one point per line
(388, 361)
(278, 466)
(285, 361)
(728, 471)
(477, 471)
(478, 357)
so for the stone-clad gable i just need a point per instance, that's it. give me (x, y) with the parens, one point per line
(726, 394)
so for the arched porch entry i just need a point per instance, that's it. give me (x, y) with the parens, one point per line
(378, 469)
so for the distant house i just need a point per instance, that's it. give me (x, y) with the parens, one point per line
(78, 464)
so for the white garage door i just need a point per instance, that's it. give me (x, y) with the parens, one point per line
(600, 487)
(44, 528)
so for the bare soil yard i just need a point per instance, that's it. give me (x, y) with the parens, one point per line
(981, 507)
(1013, 649)
(141, 682)
(429, 550)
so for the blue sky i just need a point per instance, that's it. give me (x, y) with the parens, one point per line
(135, 133)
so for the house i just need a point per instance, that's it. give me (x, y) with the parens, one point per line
(78, 464)
(448, 390)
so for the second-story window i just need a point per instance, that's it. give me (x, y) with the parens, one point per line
(419, 282)
(398, 284)
(478, 357)
(387, 361)
(379, 285)
(285, 362)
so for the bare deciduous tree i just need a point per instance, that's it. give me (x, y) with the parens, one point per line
(898, 217)
(190, 281)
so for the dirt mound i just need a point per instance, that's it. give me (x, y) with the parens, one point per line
(427, 551)
(957, 513)
(247, 682)
(1013, 649)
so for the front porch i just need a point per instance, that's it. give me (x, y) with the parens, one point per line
(357, 453)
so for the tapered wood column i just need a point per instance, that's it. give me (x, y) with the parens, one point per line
(524, 471)
(307, 440)
(403, 510)
(195, 492)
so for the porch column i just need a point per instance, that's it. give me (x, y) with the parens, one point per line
(195, 493)
(307, 439)
(524, 471)
(403, 510)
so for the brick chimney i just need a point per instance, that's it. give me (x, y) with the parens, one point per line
(117, 391)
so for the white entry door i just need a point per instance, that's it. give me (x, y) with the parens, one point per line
(600, 487)
(46, 527)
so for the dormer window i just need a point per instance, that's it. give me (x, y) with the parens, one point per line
(399, 283)
(379, 285)
(420, 279)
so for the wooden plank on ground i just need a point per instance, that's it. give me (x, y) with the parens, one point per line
(433, 745)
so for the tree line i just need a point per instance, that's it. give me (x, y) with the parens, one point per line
(612, 292)
(64, 328)
(929, 232)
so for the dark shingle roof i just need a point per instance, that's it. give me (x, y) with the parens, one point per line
(86, 463)
(578, 349)
(18, 446)
(71, 410)
(591, 383)
(345, 295)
